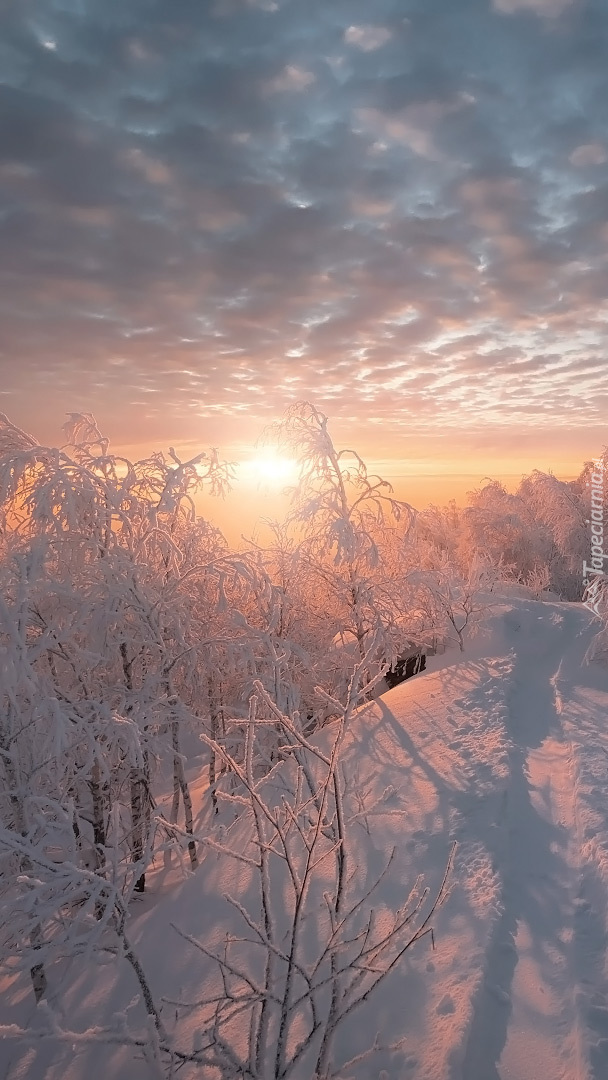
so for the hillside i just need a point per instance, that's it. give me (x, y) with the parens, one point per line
(505, 753)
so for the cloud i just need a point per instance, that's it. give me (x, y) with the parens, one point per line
(545, 8)
(414, 126)
(292, 79)
(590, 154)
(367, 38)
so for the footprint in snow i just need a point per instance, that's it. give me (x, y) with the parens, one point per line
(446, 1006)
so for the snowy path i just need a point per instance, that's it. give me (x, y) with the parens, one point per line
(542, 968)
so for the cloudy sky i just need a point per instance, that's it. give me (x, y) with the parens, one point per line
(398, 209)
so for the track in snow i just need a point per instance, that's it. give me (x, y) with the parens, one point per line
(532, 1011)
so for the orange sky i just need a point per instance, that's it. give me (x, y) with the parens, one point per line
(241, 512)
(432, 466)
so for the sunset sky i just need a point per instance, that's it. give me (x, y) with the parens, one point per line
(398, 210)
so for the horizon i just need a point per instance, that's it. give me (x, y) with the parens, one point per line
(254, 498)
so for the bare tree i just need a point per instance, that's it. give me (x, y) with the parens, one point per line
(314, 950)
(451, 602)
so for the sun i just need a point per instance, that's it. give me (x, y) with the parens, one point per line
(271, 470)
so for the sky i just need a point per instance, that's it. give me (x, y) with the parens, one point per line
(210, 209)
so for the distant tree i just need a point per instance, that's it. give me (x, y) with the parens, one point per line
(556, 507)
(504, 528)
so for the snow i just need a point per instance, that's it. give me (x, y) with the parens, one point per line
(503, 749)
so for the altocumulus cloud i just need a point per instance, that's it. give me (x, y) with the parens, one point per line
(213, 209)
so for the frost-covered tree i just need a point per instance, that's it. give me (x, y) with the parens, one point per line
(439, 532)
(539, 532)
(310, 941)
(503, 527)
(450, 604)
(341, 512)
(313, 950)
(556, 507)
(96, 643)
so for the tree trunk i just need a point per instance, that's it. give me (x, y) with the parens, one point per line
(217, 730)
(138, 796)
(37, 972)
(138, 780)
(180, 785)
(98, 801)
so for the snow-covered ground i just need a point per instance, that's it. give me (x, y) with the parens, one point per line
(504, 750)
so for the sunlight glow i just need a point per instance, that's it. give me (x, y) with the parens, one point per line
(271, 470)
